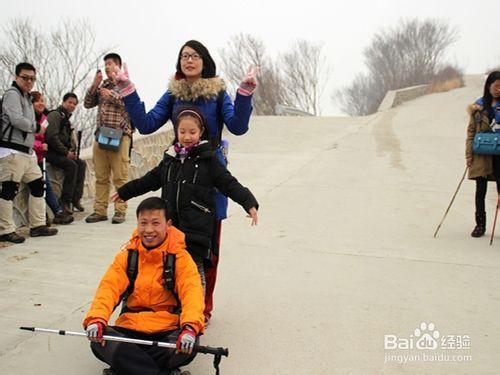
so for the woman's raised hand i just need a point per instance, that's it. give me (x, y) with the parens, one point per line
(122, 79)
(249, 82)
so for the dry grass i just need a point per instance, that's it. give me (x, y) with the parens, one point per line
(446, 85)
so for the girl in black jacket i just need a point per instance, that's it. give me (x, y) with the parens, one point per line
(188, 175)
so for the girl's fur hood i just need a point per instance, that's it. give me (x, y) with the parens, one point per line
(204, 87)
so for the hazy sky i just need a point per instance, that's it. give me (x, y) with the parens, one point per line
(148, 34)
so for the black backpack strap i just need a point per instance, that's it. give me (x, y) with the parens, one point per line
(220, 120)
(132, 270)
(169, 278)
(170, 105)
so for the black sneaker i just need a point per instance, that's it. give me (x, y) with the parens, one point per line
(12, 237)
(62, 218)
(95, 217)
(43, 230)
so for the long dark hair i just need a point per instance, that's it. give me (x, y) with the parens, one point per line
(487, 97)
(209, 68)
(193, 112)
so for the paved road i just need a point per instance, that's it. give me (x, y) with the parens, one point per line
(343, 255)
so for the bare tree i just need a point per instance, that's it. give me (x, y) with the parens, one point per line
(298, 82)
(305, 74)
(242, 51)
(409, 54)
(65, 60)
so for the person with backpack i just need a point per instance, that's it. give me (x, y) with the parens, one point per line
(196, 83)
(18, 162)
(159, 287)
(188, 175)
(484, 116)
(41, 147)
(62, 153)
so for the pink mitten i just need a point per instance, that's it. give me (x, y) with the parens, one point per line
(249, 83)
(122, 80)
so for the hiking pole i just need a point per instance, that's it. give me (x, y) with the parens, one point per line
(452, 199)
(78, 143)
(494, 224)
(217, 352)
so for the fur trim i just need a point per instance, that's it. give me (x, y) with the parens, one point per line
(472, 108)
(204, 87)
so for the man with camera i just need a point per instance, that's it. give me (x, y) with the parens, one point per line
(110, 152)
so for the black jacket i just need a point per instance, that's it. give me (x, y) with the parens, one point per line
(188, 188)
(59, 135)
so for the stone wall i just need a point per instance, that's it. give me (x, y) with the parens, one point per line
(146, 154)
(394, 98)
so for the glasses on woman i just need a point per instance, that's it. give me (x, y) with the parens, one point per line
(193, 56)
(28, 78)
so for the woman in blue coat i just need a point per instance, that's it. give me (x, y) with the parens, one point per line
(196, 83)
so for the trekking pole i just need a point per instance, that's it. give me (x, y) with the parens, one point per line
(494, 225)
(217, 352)
(78, 143)
(452, 199)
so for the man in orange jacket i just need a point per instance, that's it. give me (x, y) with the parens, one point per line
(151, 311)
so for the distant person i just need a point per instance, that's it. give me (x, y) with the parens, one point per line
(111, 114)
(188, 175)
(18, 161)
(484, 115)
(196, 83)
(62, 153)
(156, 307)
(41, 147)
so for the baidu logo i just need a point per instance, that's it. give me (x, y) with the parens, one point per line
(425, 337)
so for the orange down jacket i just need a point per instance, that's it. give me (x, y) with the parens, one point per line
(154, 303)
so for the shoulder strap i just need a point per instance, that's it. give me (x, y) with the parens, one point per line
(220, 116)
(132, 269)
(169, 278)
(170, 105)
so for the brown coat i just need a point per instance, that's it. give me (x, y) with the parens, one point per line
(482, 165)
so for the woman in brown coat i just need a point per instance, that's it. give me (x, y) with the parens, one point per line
(484, 115)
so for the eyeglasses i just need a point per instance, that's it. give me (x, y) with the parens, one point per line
(193, 56)
(28, 78)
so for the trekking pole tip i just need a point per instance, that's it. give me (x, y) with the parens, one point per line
(28, 328)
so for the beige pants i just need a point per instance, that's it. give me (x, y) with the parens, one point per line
(107, 163)
(20, 168)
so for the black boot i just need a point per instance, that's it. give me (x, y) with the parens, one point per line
(480, 225)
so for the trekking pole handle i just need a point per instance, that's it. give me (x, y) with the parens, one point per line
(210, 350)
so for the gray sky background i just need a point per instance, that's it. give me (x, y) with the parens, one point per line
(148, 34)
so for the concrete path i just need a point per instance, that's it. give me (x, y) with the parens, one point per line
(343, 255)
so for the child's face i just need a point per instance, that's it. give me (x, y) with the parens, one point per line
(189, 131)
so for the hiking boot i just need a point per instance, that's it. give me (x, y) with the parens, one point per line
(118, 218)
(95, 217)
(42, 230)
(12, 237)
(67, 209)
(77, 206)
(62, 218)
(480, 228)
